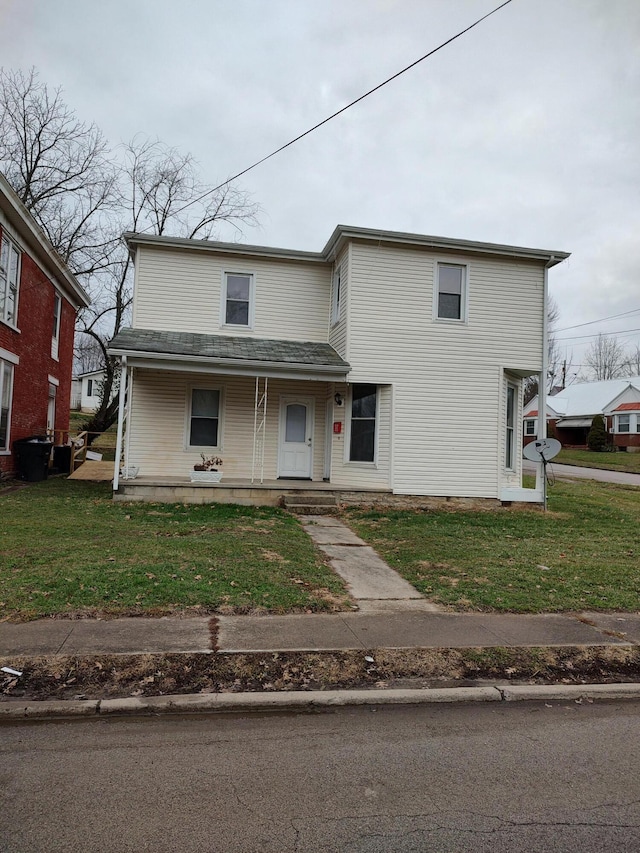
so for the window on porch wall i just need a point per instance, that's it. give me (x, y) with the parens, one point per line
(510, 427)
(363, 423)
(205, 417)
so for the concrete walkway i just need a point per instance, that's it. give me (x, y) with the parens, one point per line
(339, 631)
(368, 578)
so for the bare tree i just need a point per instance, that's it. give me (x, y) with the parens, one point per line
(632, 365)
(159, 193)
(84, 197)
(60, 168)
(606, 358)
(555, 368)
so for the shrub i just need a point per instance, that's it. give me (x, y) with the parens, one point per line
(597, 438)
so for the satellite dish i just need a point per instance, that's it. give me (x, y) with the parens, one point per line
(542, 450)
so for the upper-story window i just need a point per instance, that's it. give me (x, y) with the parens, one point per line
(335, 297)
(9, 278)
(451, 292)
(238, 299)
(55, 335)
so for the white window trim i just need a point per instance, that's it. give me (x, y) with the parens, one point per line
(252, 301)
(55, 338)
(4, 283)
(464, 301)
(203, 448)
(629, 431)
(510, 465)
(535, 427)
(12, 364)
(5, 355)
(354, 463)
(336, 296)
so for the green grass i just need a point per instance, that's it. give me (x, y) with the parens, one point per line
(588, 543)
(65, 547)
(629, 462)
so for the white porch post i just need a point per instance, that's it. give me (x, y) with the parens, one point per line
(121, 406)
(542, 381)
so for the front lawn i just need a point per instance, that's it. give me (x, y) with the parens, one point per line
(66, 548)
(629, 462)
(584, 554)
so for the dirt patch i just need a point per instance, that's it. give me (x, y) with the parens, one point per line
(107, 676)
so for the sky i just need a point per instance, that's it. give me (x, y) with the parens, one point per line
(525, 131)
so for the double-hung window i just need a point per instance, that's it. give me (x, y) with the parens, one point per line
(204, 417)
(55, 334)
(362, 444)
(624, 423)
(237, 307)
(6, 388)
(451, 291)
(9, 278)
(530, 426)
(510, 437)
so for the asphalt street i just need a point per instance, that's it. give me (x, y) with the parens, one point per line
(559, 776)
(575, 472)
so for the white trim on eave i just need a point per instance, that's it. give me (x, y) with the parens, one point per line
(30, 233)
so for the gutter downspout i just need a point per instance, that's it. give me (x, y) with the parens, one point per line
(542, 380)
(121, 402)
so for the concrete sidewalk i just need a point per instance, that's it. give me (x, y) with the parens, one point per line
(391, 629)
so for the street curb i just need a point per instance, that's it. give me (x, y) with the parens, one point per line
(209, 703)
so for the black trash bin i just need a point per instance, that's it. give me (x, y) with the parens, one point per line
(33, 457)
(62, 458)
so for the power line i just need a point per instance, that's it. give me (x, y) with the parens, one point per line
(601, 320)
(620, 334)
(339, 112)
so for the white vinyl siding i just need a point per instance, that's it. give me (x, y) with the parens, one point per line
(446, 377)
(162, 398)
(181, 291)
(339, 327)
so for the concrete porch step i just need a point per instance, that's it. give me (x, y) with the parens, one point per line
(310, 503)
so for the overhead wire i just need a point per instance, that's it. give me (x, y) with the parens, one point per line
(339, 112)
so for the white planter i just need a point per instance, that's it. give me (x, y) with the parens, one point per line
(206, 476)
(129, 473)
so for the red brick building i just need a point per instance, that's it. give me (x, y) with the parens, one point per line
(39, 299)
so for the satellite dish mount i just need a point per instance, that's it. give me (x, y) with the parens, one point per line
(542, 450)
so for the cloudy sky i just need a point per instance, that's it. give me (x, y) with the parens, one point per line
(525, 130)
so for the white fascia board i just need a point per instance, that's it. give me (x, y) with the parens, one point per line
(345, 232)
(26, 226)
(134, 240)
(185, 363)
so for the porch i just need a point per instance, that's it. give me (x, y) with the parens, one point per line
(298, 495)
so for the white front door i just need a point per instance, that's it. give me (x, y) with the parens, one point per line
(296, 438)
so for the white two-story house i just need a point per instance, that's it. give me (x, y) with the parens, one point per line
(388, 364)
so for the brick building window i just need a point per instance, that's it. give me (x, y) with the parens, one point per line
(6, 389)
(9, 278)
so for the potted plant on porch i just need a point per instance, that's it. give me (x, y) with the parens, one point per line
(207, 471)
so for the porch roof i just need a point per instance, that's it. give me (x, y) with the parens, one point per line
(226, 353)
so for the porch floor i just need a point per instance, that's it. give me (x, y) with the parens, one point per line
(240, 491)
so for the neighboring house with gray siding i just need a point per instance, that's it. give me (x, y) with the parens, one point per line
(387, 362)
